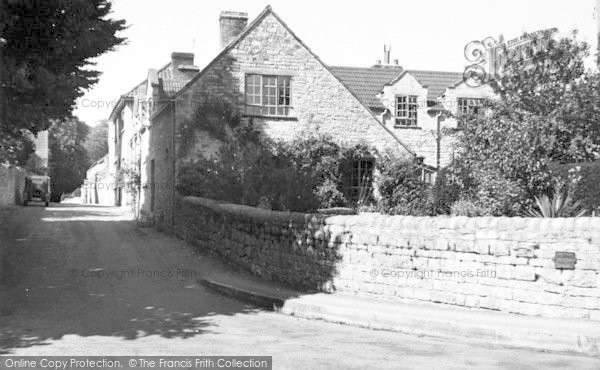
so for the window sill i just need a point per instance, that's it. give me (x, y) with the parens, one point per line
(280, 118)
(408, 127)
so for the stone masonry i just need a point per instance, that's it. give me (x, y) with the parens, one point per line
(318, 98)
(502, 263)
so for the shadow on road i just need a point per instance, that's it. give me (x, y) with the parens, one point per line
(91, 271)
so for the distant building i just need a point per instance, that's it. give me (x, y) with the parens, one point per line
(98, 187)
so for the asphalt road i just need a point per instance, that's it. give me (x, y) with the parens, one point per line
(78, 280)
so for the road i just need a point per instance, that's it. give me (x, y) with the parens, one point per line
(83, 280)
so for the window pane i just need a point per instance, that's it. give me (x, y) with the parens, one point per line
(253, 87)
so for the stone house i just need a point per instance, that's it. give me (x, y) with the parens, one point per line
(129, 123)
(275, 81)
(97, 187)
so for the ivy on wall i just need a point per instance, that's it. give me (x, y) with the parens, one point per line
(214, 116)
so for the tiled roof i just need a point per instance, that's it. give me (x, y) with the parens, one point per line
(170, 85)
(366, 83)
(140, 89)
(436, 82)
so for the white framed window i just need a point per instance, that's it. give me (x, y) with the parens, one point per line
(253, 90)
(469, 105)
(406, 110)
(268, 95)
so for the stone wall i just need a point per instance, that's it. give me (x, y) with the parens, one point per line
(12, 183)
(503, 264)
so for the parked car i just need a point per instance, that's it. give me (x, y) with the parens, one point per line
(37, 188)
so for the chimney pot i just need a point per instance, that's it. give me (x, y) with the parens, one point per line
(231, 24)
(378, 62)
(395, 61)
(386, 53)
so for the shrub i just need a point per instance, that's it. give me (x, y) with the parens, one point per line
(302, 175)
(559, 205)
(401, 189)
(445, 192)
(496, 195)
(467, 207)
(582, 181)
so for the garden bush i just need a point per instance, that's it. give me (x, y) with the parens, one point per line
(401, 189)
(301, 175)
(467, 207)
(582, 181)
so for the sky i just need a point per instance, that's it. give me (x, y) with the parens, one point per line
(423, 34)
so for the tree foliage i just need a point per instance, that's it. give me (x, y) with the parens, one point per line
(46, 47)
(96, 144)
(401, 189)
(69, 161)
(548, 110)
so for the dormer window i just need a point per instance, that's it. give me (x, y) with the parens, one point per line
(406, 111)
(268, 95)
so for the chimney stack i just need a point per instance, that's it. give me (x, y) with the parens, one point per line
(386, 53)
(396, 62)
(232, 24)
(181, 62)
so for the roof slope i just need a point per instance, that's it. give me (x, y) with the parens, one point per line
(171, 85)
(366, 83)
(436, 82)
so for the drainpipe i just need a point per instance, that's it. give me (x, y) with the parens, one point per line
(438, 142)
(173, 159)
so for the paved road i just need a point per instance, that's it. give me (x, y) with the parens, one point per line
(87, 281)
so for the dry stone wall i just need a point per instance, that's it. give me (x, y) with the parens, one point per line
(505, 264)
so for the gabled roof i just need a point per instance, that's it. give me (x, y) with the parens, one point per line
(268, 10)
(366, 83)
(435, 81)
(140, 89)
(170, 84)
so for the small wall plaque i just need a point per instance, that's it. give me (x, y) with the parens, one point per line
(564, 260)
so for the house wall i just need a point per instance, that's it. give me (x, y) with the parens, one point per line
(423, 138)
(98, 187)
(12, 184)
(495, 263)
(318, 98)
(120, 153)
(319, 101)
(160, 151)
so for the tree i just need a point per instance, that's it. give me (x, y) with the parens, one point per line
(45, 52)
(96, 144)
(547, 111)
(69, 161)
